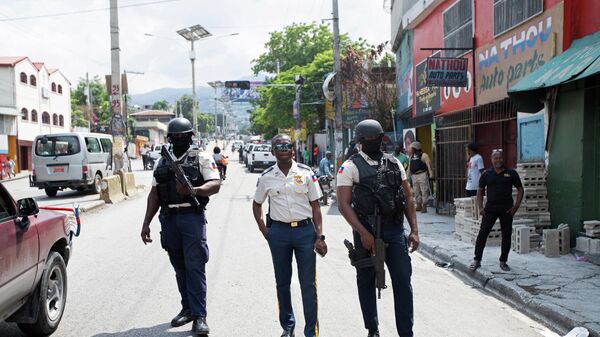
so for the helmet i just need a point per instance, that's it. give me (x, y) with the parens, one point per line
(367, 128)
(416, 145)
(179, 125)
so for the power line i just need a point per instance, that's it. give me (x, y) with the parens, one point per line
(84, 11)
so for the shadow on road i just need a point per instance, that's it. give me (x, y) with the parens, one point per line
(154, 331)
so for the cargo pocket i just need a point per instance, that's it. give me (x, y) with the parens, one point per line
(204, 251)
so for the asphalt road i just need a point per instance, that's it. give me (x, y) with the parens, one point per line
(120, 287)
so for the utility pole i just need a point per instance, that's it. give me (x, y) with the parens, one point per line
(337, 146)
(194, 103)
(117, 124)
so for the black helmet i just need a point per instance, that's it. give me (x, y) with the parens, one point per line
(367, 128)
(179, 125)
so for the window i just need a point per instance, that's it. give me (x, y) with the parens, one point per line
(50, 146)
(92, 145)
(509, 13)
(106, 145)
(32, 80)
(24, 114)
(53, 87)
(34, 115)
(23, 78)
(54, 119)
(45, 117)
(61, 120)
(458, 28)
(60, 89)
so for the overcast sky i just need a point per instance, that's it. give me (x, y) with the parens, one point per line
(80, 43)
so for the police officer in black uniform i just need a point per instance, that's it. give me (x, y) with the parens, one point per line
(183, 226)
(372, 180)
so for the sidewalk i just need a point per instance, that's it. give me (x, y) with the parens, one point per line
(561, 292)
(21, 175)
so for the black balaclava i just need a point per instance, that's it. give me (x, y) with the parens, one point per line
(372, 148)
(180, 145)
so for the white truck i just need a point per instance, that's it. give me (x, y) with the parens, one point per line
(260, 156)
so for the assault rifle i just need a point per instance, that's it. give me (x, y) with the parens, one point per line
(179, 174)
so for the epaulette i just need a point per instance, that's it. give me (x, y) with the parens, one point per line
(267, 170)
(305, 167)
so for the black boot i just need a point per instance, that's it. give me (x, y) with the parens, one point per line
(287, 333)
(181, 319)
(373, 333)
(200, 328)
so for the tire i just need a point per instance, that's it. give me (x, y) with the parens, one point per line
(251, 168)
(95, 186)
(52, 300)
(51, 191)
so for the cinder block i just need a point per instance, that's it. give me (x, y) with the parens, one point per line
(564, 239)
(522, 240)
(594, 246)
(551, 246)
(583, 244)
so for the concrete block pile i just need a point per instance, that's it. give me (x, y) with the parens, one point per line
(467, 222)
(590, 243)
(535, 204)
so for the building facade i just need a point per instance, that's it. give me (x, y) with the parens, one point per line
(33, 100)
(152, 124)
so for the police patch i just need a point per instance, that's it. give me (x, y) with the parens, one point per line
(298, 180)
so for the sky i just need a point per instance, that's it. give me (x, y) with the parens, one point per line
(80, 43)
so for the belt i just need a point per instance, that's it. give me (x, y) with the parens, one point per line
(182, 210)
(295, 223)
(419, 172)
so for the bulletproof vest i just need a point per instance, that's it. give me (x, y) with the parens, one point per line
(380, 187)
(416, 163)
(167, 182)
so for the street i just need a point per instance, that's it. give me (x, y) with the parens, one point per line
(119, 287)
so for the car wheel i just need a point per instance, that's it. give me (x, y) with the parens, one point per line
(51, 191)
(52, 296)
(95, 186)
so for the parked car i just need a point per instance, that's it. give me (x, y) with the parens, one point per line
(35, 248)
(155, 152)
(260, 157)
(236, 144)
(76, 160)
(247, 148)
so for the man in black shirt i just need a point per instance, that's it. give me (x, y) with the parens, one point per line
(499, 181)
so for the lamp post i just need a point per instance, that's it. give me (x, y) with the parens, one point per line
(192, 34)
(215, 85)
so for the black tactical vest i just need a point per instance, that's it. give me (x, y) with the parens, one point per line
(167, 182)
(417, 164)
(380, 186)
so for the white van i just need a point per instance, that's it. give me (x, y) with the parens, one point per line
(70, 160)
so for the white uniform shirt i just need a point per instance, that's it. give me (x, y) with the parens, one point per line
(207, 166)
(348, 173)
(290, 195)
(474, 168)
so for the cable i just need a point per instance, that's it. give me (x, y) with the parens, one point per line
(84, 11)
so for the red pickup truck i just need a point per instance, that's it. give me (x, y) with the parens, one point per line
(35, 247)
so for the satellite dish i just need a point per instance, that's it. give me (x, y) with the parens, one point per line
(328, 86)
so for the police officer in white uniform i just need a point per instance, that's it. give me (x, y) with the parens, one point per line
(293, 227)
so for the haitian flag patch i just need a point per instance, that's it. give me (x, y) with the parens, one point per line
(314, 178)
(341, 170)
(213, 165)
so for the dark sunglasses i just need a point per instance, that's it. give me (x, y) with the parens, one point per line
(283, 146)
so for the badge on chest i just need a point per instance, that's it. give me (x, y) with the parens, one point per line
(298, 180)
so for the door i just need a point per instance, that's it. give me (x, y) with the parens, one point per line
(57, 158)
(19, 250)
(24, 158)
(531, 139)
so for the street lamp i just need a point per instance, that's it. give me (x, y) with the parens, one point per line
(192, 34)
(215, 85)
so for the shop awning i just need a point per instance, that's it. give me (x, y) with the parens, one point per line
(581, 60)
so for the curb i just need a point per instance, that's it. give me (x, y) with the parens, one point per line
(93, 205)
(548, 313)
(16, 178)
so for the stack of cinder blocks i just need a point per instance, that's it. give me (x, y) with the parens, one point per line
(467, 222)
(591, 242)
(535, 201)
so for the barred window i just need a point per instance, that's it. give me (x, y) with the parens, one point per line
(458, 28)
(510, 13)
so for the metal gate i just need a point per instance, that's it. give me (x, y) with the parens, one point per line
(453, 133)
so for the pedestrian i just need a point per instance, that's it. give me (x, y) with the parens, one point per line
(183, 226)
(306, 156)
(475, 167)
(221, 160)
(401, 156)
(315, 154)
(10, 164)
(420, 172)
(499, 181)
(293, 226)
(326, 165)
(363, 182)
(144, 153)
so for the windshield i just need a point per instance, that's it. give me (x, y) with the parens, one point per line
(52, 146)
(262, 148)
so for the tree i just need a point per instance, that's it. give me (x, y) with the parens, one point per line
(161, 105)
(100, 105)
(206, 122)
(185, 105)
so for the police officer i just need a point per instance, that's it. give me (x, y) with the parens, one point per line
(183, 226)
(420, 171)
(293, 227)
(363, 181)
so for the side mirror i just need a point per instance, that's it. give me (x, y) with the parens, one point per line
(27, 207)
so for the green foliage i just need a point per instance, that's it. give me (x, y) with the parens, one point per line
(185, 105)
(161, 105)
(100, 103)
(206, 122)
